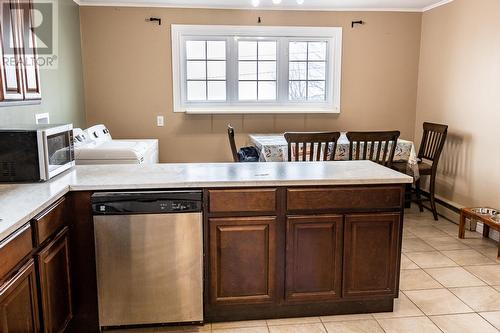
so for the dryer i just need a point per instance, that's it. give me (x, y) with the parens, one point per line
(95, 145)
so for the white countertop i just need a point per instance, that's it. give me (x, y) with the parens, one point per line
(21, 202)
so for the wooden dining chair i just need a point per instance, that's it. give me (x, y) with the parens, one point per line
(232, 143)
(244, 154)
(378, 147)
(431, 147)
(318, 146)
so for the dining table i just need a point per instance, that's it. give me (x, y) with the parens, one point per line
(274, 148)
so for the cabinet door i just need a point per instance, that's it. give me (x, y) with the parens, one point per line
(242, 260)
(371, 244)
(11, 52)
(313, 258)
(18, 302)
(55, 286)
(31, 79)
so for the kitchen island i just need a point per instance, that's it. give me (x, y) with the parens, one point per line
(280, 239)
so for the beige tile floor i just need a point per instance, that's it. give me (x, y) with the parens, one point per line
(447, 285)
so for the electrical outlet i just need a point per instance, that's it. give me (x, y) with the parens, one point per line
(42, 118)
(160, 121)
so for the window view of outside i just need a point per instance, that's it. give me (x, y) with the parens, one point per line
(257, 70)
(256, 63)
(206, 70)
(307, 71)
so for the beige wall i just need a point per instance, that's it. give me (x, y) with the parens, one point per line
(128, 80)
(62, 88)
(459, 85)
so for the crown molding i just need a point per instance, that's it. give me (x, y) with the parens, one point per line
(436, 5)
(142, 4)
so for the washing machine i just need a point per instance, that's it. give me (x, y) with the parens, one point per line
(95, 145)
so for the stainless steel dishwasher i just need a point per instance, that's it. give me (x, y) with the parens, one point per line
(149, 257)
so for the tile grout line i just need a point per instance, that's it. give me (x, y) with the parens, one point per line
(477, 313)
(486, 319)
(468, 247)
(323, 324)
(490, 285)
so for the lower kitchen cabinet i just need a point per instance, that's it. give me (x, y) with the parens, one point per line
(313, 258)
(18, 302)
(242, 260)
(55, 285)
(371, 247)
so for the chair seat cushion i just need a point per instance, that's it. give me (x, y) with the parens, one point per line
(424, 168)
(400, 166)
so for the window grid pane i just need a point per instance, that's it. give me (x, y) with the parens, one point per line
(210, 63)
(250, 66)
(205, 72)
(307, 71)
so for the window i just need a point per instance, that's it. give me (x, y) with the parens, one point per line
(257, 77)
(206, 70)
(307, 71)
(238, 69)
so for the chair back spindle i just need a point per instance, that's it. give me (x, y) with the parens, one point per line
(374, 146)
(319, 146)
(433, 140)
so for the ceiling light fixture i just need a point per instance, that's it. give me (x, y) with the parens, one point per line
(256, 3)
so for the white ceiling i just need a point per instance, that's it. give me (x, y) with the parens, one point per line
(379, 5)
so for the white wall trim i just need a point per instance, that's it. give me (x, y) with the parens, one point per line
(436, 5)
(326, 9)
(281, 105)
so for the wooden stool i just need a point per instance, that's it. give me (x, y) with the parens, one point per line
(489, 217)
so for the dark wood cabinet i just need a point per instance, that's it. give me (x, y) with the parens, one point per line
(371, 247)
(253, 201)
(31, 79)
(301, 251)
(55, 283)
(313, 258)
(15, 249)
(18, 302)
(242, 260)
(11, 52)
(20, 76)
(50, 221)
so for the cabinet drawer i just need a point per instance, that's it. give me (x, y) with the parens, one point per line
(386, 197)
(49, 221)
(242, 200)
(14, 249)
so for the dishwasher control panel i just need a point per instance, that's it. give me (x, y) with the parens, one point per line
(118, 203)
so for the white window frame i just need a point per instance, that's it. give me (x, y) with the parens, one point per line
(180, 33)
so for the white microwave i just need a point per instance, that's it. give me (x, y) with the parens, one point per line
(35, 153)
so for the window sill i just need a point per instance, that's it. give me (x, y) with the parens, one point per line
(20, 103)
(262, 111)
